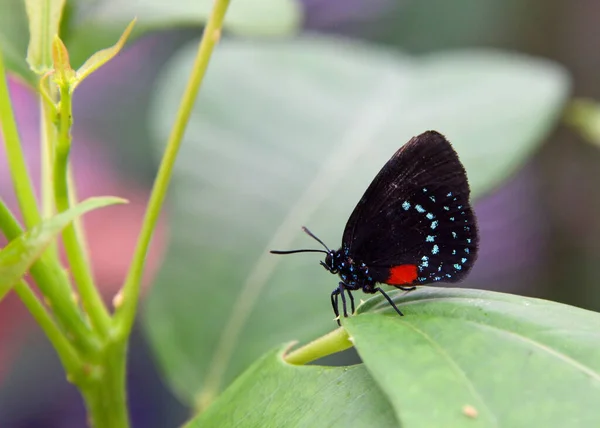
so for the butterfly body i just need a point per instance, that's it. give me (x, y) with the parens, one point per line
(356, 275)
(413, 225)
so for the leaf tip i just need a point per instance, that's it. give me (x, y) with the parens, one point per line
(103, 56)
(107, 200)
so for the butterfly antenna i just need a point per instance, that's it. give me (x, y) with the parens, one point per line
(297, 251)
(312, 235)
(309, 233)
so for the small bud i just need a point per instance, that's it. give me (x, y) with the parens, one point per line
(117, 301)
(63, 73)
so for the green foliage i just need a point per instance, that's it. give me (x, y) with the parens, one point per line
(294, 140)
(458, 358)
(518, 361)
(90, 342)
(88, 27)
(22, 252)
(44, 19)
(274, 393)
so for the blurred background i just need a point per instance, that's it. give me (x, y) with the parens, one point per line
(540, 233)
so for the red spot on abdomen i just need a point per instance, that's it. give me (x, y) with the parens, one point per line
(403, 274)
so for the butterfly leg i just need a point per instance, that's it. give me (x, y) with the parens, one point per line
(390, 301)
(339, 292)
(334, 304)
(342, 290)
(406, 288)
(352, 308)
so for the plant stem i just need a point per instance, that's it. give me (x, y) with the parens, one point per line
(63, 347)
(335, 341)
(90, 297)
(105, 396)
(125, 314)
(52, 282)
(78, 222)
(47, 140)
(46, 272)
(16, 160)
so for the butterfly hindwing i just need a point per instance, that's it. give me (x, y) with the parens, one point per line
(414, 224)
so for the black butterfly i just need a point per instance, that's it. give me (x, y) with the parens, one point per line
(413, 225)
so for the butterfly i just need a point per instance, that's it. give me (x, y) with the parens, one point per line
(413, 226)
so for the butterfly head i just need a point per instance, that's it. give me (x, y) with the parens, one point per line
(330, 263)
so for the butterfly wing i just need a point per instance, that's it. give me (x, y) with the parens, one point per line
(414, 224)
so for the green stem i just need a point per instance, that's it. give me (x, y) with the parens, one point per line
(14, 152)
(125, 314)
(335, 341)
(46, 272)
(53, 283)
(90, 297)
(78, 222)
(47, 140)
(105, 396)
(66, 352)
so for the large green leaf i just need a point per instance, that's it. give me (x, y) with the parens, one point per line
(254, 17)
(272, 393)
(22, 252)
(519, 362)
(458, 358)
(289, 134)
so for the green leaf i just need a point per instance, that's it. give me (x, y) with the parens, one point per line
(82, 40)
(250, 17)
(22, 252)
(102, 57)
(44, 21)
(584, 116)
(519, 362)
(13, 38)
(275, 394)
(294, 140)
